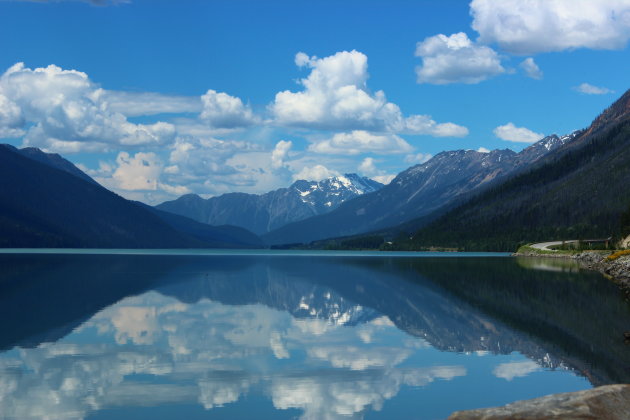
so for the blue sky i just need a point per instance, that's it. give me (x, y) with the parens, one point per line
(159, 98)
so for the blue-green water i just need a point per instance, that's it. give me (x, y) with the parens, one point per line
(312, 335)
(248, 253)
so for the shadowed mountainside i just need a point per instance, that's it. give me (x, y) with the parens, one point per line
(578, 191)
(44, 206)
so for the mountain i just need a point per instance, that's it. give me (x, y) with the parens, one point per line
(44, 203)
(51, 159)
(265, 212)
(223, 236)
(543, 147)
(416, 192)
(578, 191)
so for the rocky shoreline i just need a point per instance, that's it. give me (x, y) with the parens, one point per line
(617, 270)
(611, 402)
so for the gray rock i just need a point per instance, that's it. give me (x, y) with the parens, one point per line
(611, 402)
(618, 269)
(590, 259)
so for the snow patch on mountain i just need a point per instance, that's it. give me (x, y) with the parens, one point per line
(333, 191)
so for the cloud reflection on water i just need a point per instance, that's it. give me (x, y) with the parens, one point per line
(152, 349)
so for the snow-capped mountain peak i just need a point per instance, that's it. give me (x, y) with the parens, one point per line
(546, 145)
(329, 193)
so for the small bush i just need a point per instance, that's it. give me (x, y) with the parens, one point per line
(618, 254)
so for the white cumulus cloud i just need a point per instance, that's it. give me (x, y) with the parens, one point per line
(204, 164)
(139, 176)
(68, 113)
(132, 104)
(592, 90)
(534, 26)
(359, 141)
(138, 172)
(456, 59)
(315, 173)
(279, 153)
(510, 132)
(531, 69)
(423, 124)
(336, 96)
(368, 168)
(253, 173)
(11, 119)
(224, 111)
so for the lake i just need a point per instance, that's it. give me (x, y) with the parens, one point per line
(310, 335)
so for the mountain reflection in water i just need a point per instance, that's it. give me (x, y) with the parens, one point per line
(316, 337)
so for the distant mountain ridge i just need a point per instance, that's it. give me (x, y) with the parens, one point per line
(265, 212)
(418, 191)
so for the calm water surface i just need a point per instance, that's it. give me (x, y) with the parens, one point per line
(222, 335)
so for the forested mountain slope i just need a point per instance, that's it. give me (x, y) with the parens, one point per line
(579, 191)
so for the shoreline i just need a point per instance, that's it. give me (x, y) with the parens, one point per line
(617, 270)
(611, 402)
